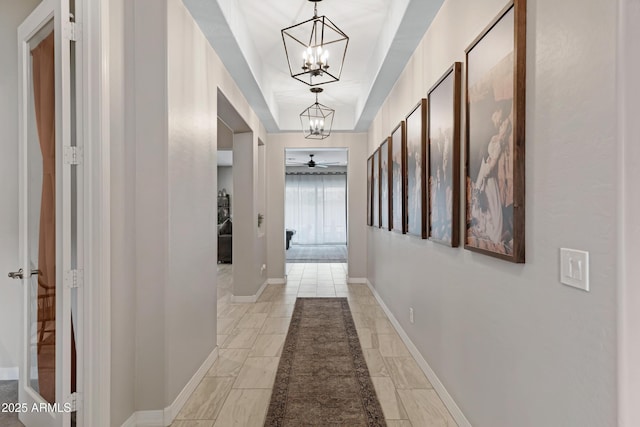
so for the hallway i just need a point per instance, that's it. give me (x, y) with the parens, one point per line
(237, 388)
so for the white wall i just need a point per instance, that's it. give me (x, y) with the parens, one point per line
(248, 240)
(356, 143)
(511, 344)
(191, 297)
(164, 82)
(12, 14)
(123, 196)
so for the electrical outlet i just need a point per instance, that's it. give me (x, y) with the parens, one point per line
(411, 314)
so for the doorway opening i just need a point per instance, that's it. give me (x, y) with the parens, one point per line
(316, 206)
(230, 126)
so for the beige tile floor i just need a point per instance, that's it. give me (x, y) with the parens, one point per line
(237, 389)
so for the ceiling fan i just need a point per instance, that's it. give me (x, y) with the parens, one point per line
(313, 164)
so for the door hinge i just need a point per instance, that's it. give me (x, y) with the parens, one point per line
(72, 31)
(73, 278)
(75, 401)
(73, 155)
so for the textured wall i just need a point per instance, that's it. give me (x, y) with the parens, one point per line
(511, 344)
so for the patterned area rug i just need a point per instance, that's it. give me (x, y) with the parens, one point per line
(322, 378)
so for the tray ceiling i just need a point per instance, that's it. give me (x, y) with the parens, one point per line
(382, 36)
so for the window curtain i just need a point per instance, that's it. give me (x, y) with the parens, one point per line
(316, 208)
(44, 102)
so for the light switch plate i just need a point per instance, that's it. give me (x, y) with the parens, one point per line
(574, 268)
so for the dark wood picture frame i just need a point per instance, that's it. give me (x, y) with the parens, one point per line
(495, 137)
(375, 199)
(370, 190)
(416, 138)
(443, 136)
(398, 174)
(385, 184)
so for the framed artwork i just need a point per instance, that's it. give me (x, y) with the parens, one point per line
(444, 157)
(495, 137)
(398, 179)
(369, 190)
(385, 185)
(375, 216)
(416, 137)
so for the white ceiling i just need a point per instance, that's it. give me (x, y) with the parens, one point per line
(382, 36)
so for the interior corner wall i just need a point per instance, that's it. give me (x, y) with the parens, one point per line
(356, 143)
(511, 344)
(12, 15)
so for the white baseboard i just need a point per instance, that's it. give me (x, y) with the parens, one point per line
(131, 421)
(164, 418)
(278, 281)
(249, 298)
(357, 280)
(145, 419)
(9, 374)
(448, 401)
(171, 412)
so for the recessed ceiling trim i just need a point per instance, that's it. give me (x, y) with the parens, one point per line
(415, 23)
(213, 24)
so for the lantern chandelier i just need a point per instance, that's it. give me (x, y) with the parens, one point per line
(310, 46)
(317, 119)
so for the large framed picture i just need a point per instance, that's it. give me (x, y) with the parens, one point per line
(385, 185)
(444, 157)
(416, 139)
(375, 216)
(495, 137)
(370, 190)
(398, 179)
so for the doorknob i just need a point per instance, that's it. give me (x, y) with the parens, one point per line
(20, 274)
(16, 274)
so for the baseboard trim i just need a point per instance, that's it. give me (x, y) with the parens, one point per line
(171, 412)
(9, 374)
(362, 280)
(131, 421)
(164, 418)
(145, 419)
(448, 401)
(249, 298)
(279, 281)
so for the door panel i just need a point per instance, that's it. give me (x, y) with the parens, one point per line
(45, 129)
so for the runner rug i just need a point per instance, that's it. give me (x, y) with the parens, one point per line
(322, 378)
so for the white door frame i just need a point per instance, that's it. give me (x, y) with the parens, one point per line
(628, 65)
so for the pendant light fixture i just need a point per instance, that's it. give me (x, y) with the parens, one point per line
(315, 49)
(317, 119)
